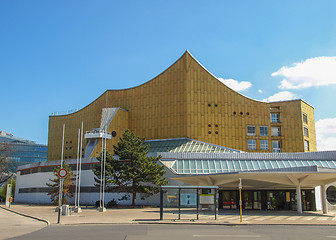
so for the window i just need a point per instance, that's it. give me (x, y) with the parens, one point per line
(251, 130)
(331, 195)
(305, 132)
(306, 145)
(263, 131)
(251, 144)
(264, 144)
(275, 118)
(276, 146)
(276, 131)
(304, 117)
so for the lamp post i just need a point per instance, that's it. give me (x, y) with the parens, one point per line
(240, 200)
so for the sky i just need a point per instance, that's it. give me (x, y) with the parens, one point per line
(62, 55)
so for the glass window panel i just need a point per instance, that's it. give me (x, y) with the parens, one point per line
(179, 166)
(236, 164)
(212, 164)
(264, 144)
(275, 164)
(318, 163)
(324, 164)
(299, 163)
(262, 164)
(224, 165)
(199, 165)
(263, 130)
(230, 165)
(251, 144)
(205, 165)
(275, 117)
(249, 165)
(186, 165)
(192, 165)
(256, 165)
(268, 164)
(287, 165)
(243, 165)
(305, 163)
(218, 166)
(305, 119)
(251, 130)
(332, 164)
(293, 163)
(276, 131)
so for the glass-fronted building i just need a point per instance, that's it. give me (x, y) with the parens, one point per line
(23, 151)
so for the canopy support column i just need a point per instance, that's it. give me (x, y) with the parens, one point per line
(298, 199)
(324, 199)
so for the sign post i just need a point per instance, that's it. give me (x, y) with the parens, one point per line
(62, 173)
(240, 199)
(8, 195)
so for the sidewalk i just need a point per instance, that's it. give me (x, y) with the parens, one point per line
(90, 215)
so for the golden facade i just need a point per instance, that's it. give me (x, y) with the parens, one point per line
(186, 100)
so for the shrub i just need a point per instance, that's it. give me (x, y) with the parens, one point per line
(112, 204)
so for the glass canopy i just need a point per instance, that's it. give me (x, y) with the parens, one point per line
(209, 166)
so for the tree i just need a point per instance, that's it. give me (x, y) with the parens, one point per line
(68, 185)
(134, 172)
(6, 150)
(3, 190)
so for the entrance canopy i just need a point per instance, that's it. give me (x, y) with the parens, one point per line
(305, 177)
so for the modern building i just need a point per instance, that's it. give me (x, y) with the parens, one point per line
(23, 151)
(187, 101)
(271, 181)
(207, 135)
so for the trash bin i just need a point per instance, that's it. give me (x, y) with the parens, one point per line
(65, 210)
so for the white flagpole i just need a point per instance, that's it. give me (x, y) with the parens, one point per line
(61, 181)
(80, 166)
(76, 189)
(101, 174)
(104, 170)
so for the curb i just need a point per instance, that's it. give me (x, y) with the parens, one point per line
(240, 224)
(24, 215)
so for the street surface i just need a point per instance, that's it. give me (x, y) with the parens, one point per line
(181, 231)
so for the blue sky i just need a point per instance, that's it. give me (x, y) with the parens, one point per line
(61, 55)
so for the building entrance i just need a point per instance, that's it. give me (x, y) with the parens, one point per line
(266, 199)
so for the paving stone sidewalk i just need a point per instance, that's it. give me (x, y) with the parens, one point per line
(148, 215)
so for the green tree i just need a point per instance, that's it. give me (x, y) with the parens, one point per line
(68, 185)
(3, 190)
(134, 172)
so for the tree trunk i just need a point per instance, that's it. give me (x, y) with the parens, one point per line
(134, 199)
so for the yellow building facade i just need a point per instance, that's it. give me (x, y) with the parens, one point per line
(187, 101)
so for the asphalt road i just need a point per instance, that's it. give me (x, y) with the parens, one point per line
(184, 232)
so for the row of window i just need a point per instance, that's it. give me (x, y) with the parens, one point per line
(252, 145)
(263, 131)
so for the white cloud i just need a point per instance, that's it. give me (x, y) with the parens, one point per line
(318, 71)
(281, 96)
(235, 85)
(260, 91)
(326, 134)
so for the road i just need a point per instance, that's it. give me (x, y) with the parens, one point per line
(179, 231)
